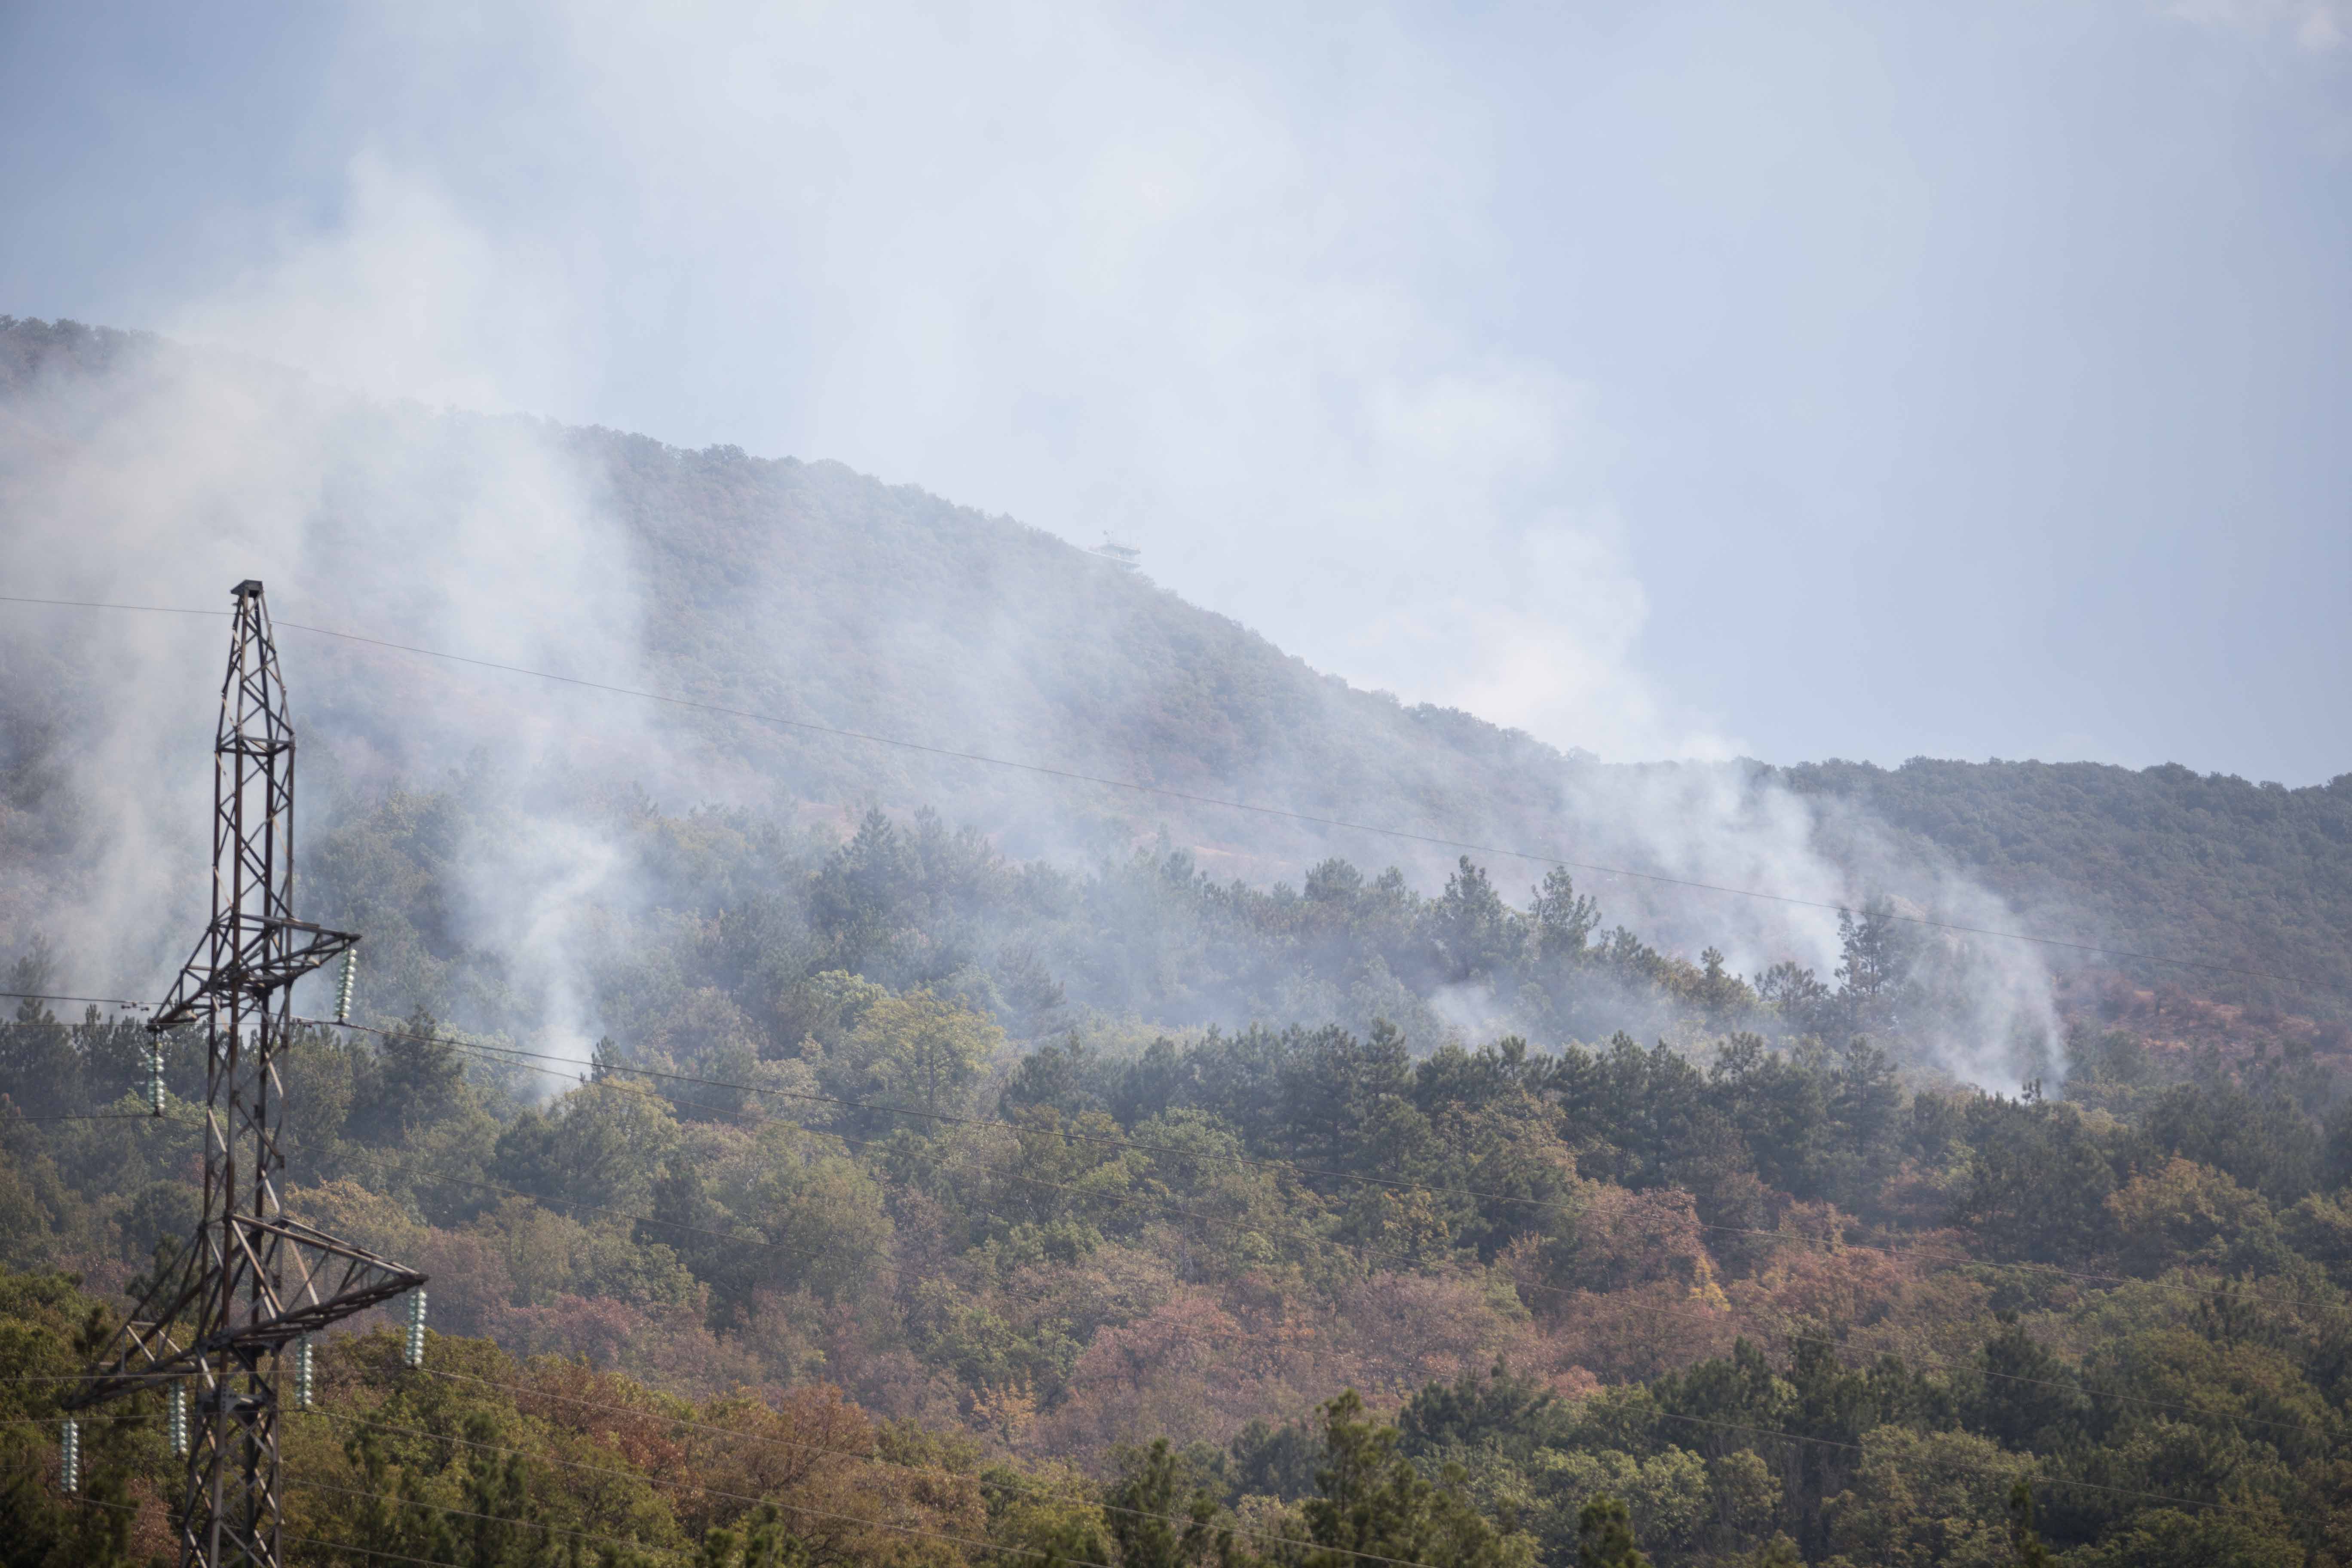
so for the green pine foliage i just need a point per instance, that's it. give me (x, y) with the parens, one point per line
(2207, 867)
(940, 1195)
(847, 1182)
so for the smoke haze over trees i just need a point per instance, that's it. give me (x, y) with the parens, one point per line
(1056, 1168)
(1340, 1029)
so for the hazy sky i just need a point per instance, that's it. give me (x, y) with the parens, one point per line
(1667, 379)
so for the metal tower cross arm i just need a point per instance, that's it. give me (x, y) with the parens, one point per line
(251, 1279)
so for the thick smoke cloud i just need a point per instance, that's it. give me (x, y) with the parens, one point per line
(1212, 323)
(1619, 373)
(167, 483)
(494, 536)
(1229, 297)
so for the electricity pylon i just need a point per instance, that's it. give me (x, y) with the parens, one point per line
(252, 1279)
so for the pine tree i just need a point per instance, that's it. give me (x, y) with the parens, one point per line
(2023, 1539)
(1604, 1536)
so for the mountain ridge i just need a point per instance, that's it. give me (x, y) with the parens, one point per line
(822, 596)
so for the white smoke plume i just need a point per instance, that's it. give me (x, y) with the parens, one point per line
(166, 485)
(1223, 302)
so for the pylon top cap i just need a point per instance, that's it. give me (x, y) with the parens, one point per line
(248, 589)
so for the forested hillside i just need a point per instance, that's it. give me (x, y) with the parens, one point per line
(810, 594)
(830, 1152)
(884, 1227)
(2236, 875)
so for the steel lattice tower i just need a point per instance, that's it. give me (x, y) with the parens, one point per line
(251, 1279)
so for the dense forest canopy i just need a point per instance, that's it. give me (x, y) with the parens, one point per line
(2250, 876)
(883, 1166)
(830, 1155)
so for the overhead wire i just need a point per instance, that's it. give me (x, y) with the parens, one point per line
(49, 996)
(101, 604)
(593, 1207)
(1192, 797)
(1172, 1519)
(1049, 1555)
(302, 1484)
(1167, 1203)
(541, 1198)
(1784, 1237)
(1233, 1528)
(1066, 774)
(2046, 1479)
(1962, 1261)
(528, 1392)
(1158, 790)
(1777, 1236)
(724, 1237)
(1072, 774)
(796, 1509)
(2080, 1387)
(85, 1116)
(82, 1500)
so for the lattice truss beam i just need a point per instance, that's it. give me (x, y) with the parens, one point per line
(251, 1279)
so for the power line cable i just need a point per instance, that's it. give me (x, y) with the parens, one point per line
(540, 1198)
(779, 1442)
(1158, 790)
(1164, 1202)
(2045, 1479)
(85, 1501)
(860, 1519)
(1167, 1201)
(2083, 1389)
(1051, 1557)
(1783, 1238)
(600, 1539)
(1402, 834)
(1419, 1189)
(749, 1241)
(731, 1433)
(1294, 1167)
(1236, 1529)
(2081, 1386)
(599, 1208)
(1138, 786)
(90, 1116)
(98, 604)
(48, 996)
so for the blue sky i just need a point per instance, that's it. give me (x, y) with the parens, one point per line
(1779, 379)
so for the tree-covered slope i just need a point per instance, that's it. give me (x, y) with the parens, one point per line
(2203, 867)
(832, 601)
(808, 1176)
